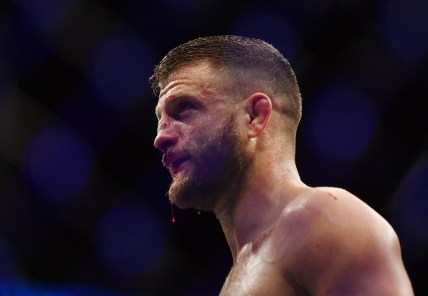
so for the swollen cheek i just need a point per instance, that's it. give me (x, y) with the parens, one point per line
(189, 131)
(178, 129)
(186, 134)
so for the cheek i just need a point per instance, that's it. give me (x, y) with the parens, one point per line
(216, 148)
(186, 133)
(198, 132)
(192, 137)
(209, 139)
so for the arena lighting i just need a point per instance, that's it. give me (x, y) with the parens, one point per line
(7, 259)
(24, 51)
(268, 26)
(118, 68)
(14, 286)
(44, 15)
(340, 123)
(409, 213)
(403, 25)
(129, 241)
(188, 5)
(98, 123)
(48, 50)
(57, 163)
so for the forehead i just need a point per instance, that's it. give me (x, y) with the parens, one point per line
(200, 74)
(198, 79)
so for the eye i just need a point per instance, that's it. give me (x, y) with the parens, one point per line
(183, 108)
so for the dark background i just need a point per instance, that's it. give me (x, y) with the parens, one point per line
(83, 209)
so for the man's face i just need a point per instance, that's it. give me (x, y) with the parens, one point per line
(198, 137)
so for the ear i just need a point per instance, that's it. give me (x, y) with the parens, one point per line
(259, 108)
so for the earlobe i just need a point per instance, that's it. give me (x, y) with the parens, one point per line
(259, 109)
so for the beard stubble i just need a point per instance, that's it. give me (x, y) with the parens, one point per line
(217, 171)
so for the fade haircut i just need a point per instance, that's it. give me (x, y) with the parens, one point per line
(249, 62)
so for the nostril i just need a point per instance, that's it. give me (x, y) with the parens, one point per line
(165, 145)
(164, 141)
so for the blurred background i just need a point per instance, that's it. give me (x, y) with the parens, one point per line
(83, 209)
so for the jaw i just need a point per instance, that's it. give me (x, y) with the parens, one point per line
(211, 189)
(213, 177)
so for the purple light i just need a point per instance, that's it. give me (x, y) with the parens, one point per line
(119, 67)
(7, 266)
(15, 286)
(45, 15)
(22, 48)
(268, 26)
(404, 26)
(58, 163)
(411, 206)
(340, 123)
(129, 241)
(188, 5)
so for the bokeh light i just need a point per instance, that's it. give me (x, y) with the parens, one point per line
(45, 15)
(99, 123)
(340, 123)
(119, 67)
(58, 163)
(409, 212)
(268, 26)
(22, 49)
(77, 126)
(13, 286)
(404, 27)
(8, 266)
(189, 5)
(129, 241)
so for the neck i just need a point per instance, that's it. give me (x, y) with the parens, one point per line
(264, 194)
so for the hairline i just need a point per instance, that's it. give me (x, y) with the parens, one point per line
(235, 75)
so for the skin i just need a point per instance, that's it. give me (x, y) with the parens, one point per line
(286, 238)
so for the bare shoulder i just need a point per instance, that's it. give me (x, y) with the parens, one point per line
(334, 208)
(332, 242)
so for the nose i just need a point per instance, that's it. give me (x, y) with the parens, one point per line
(165, 138)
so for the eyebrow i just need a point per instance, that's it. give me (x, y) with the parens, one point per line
(167, 88)
(168, 99)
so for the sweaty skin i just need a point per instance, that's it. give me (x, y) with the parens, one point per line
(325, 242)
(286, 238)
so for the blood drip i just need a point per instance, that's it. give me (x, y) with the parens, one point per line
(172, 213)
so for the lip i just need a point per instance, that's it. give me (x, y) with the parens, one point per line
(175, 163)
(178, 165)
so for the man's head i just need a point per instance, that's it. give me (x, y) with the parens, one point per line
(250, 64)
(216, 96)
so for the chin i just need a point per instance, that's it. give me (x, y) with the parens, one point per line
(205, 191)
(187, 194)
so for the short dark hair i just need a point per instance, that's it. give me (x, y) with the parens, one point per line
(237, 54)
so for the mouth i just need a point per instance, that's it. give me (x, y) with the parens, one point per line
(177, 165)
